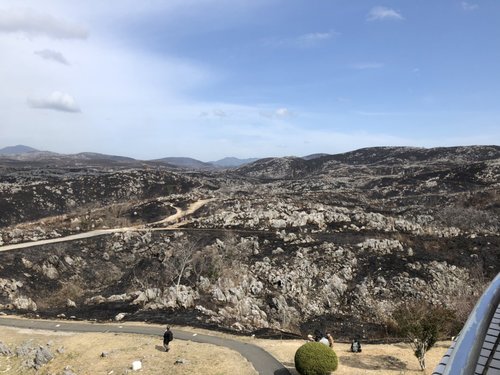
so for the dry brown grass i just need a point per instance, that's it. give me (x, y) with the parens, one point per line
(82, 353)
(376, 359)
(380, 359)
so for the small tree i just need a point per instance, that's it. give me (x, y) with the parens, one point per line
(422, 324)
(179, 258)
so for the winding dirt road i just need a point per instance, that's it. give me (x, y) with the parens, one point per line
(262, 361)
(193, 207)
(173, 220)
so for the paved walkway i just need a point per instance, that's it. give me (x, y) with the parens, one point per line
(262, 361)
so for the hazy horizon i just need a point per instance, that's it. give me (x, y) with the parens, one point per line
(209, 79)
(230, 156)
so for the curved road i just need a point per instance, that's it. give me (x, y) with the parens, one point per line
(174, 219)
(262, 361)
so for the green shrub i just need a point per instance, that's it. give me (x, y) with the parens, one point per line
(315, 358)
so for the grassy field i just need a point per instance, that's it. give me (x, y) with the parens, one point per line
(81, 353)
(380, 359)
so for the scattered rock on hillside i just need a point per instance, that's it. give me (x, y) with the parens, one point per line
(4, 349)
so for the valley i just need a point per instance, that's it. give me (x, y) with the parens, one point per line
(277, 247)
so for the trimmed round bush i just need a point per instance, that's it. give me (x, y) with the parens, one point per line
(315, 358)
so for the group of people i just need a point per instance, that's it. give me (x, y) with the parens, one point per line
(321, 337)
(327, 339)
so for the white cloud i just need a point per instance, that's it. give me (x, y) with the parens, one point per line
(215, 113)
(468, 6)
(371, 113)
(380, 13)
(219, 113)
(282, 112)
(57, 101)
(314, 38)
(304, 40)
(279, 113)
(34, 23)
(367, 65)
(49, 54)
(117, 89)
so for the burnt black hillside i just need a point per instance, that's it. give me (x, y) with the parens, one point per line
(335, 242)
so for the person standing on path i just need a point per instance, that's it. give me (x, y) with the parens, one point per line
(167, 337)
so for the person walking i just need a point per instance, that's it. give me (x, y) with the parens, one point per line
(167, 337)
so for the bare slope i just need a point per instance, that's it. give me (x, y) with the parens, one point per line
(336, 242)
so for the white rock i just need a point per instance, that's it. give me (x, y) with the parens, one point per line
(120, 316)
(50, 271)
(24, 303)
(117, 298)
(136, 365)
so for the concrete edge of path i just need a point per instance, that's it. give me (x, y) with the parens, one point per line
(263, 362)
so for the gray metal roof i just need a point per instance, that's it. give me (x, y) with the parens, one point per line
(477, 350)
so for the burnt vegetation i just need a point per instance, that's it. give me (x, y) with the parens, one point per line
(336, 242)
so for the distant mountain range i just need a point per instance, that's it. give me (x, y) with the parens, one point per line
(374, 158)
(26, 153)
(232, 162)
(188, 163)
(14, 150)
(265, 167)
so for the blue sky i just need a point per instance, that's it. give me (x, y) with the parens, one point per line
(248, 78)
